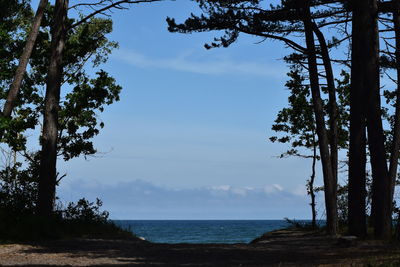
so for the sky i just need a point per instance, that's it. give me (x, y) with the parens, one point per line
(189, 138)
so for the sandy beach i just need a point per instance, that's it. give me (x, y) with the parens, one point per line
(278, 248)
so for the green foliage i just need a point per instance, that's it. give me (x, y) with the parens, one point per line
(86, 93)
(254, 17)
(83, 219)
(296, 122)
(18, 195)
(85, 42)
(78, 118)
(18, 186)
(343, 105)
(15, 18)
(18, 191)
(85, 211)
(342, 199)
(89, 94)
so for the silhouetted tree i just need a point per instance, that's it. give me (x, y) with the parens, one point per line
(297, 124)
(48, 157)
(366, 106)
(390, 59)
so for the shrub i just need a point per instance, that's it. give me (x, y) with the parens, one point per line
(85, 211)
(18, 192)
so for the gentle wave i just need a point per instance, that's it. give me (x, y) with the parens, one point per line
(201, 231)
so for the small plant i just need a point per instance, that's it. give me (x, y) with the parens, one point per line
(299, 224)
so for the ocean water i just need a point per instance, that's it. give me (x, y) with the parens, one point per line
(200, 231)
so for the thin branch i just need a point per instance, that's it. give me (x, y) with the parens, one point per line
(289, 42)
(113, 5)
(100, 3)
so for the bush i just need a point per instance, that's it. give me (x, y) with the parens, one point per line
(18, 192)
(82, 219)
(18, 218)
(85, 211)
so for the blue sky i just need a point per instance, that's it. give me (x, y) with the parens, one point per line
(191, 128)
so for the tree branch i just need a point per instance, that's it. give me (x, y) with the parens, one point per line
(112, 5)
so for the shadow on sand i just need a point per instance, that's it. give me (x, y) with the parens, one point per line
(279, 248)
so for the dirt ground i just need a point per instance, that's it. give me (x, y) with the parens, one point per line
(279, 248)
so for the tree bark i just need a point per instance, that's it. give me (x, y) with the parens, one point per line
(395, 149)
(329, 184)
(333, 110)
(381, 205)
(357, 149)
(47, 179)
(23, 61)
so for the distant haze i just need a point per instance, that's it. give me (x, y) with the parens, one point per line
(143, 200)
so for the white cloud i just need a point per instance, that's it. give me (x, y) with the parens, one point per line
(142, 200)
(278, 187)
(221, 187)
(239, 191)
(299, 191)
(186, 63)
(225, 189)
(268, 189)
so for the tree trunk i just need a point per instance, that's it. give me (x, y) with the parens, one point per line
(394, 155)
(333, 110)
(357, 153)
(47, 179)
(381, 205)
(311, 185)
(23, 61)
(329, 183)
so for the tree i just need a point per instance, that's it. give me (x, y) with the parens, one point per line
(31, 39)
(330, 182)
(390, 60)
(60, 28)
(297, 123)
(15, 20)
(48, 158)
(23, 61)
(366, 89)
(357, 154)
(79, 109)
(395, 148)
(78, 120)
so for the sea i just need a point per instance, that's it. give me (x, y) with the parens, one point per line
(200, 231)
